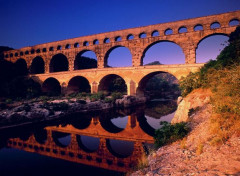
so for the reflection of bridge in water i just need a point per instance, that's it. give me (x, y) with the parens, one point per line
(48, 142)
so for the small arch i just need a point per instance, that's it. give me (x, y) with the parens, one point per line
(38, 51)
(6, 56)
(37, 66)
(59, 47)
(44, 50)
(40, 136)
(59, 62)
(16, 54)
(142, 35)
(11, 54)
(234, 22)
(198, 27)
(78, 84)
(215, 25)
(68, 46)
(51, 49)
(21, 53)
(112, 83)
(51, 86)
(118, 39)
(86, 43)
(32, 51)
(76, 45)
(26, 52)
(96, 42)
(182, 29)
(155, 33)
(168, 31)
(130, 37)
(106, 40)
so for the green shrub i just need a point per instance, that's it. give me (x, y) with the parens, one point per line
(117, 95)
(169, 133)
(9, 101)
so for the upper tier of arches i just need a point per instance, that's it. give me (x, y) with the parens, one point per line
(185, 33)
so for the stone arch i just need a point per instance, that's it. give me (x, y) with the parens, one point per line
(182, 29)
(120, 148)
(206, 37)
(51, 86)
(58, 63)
(156, 42)
(234, 22)
(109, 126)
(143, 82)
(215, 25)
(78, 84)
(37, 65)
(112, 49)
(198, 27)
(106, 84)
(82, 62)
(21, 68)
(87, 143)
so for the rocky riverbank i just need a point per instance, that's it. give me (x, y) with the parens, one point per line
(30, 112)
(197, 154)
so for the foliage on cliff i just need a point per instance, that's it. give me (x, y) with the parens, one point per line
(222, 76)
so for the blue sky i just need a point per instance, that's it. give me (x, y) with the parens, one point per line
(30, 22)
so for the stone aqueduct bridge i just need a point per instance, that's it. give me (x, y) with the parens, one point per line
(137, 40)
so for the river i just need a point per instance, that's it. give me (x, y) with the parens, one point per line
(103, 143)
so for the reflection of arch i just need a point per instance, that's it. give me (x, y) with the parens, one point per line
(107, 84)
(81, 123)
(109, 52)
(143, 82)
(82, 62)
(37, 65)
(87, 143)
(59, 62)
(152, 44)
(40, 136)
(79, 84)
(108, 125)
(52, 86)
(61, 139)
(21, 67)
(118, 148)
(142, 120)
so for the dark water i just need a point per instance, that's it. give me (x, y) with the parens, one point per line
(104, 143)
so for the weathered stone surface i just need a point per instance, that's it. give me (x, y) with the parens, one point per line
(191, 103)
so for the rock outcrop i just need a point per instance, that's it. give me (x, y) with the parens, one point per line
(191, 103)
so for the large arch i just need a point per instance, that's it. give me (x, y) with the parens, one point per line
(210, 46)
(37, 66)
(78, 84)
(51, 86)
(143, 83)
(112, 83)
(118, 56)
(85, 59)
(59, 62)
(87, 143)
(21, 67)
(171, 53)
